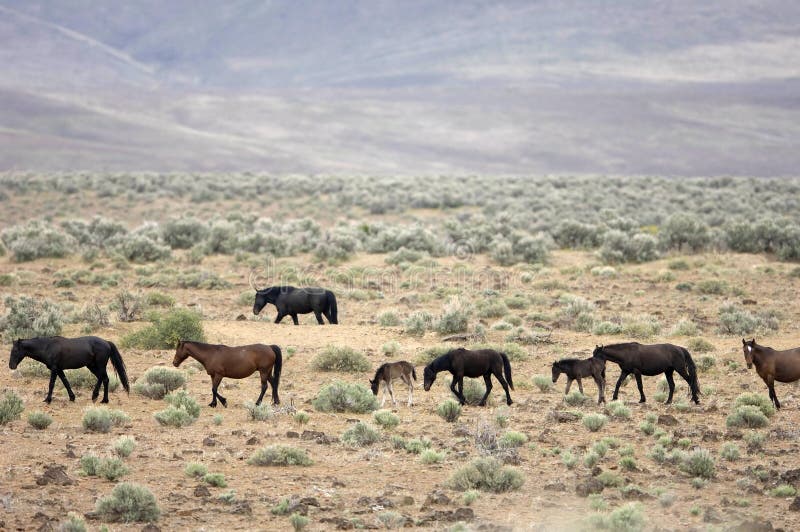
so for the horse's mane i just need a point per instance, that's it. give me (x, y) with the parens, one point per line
(624, 344)
(567, 361)
(379, 370)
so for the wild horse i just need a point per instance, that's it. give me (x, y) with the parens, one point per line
(651, 360)
(291, 301)
(465, 363)
(772, 365)
(390, 371)
(235, 362)
(575, 370)
(59, 353)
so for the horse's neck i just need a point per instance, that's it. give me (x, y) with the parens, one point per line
(609, 355)
(35, 353)
(197, 354)
(443, 364)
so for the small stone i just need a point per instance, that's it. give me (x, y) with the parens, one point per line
(252, 441)
(589, 486)
(795, 506)
(711, 516)
(407, 500)
(667, 420)
(292, 434)
(55, 474)
(241, 317)
(150, 527)
(208, 441)
(202, 491)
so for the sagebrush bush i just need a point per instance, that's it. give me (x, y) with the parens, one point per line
(684, 232)
(183, 410)
(594, 422)
(39, 420)
(128, 503)
(618, 409)
(418, 323)
(124, 446)
(89, 464)
(729, 451)
(128, 306)
(784, 490)
(280, 455)
(388, 318)
(183, 233)
(576, 398)
(386, 419)
(262, 412)
(301, 417)
(102, 419)
(627, 518)
(543, 382)
(111, 469)
(195, 469)
(166, 330)
(449, 410)
(699, 463)
(747, 416)
(137, 247)
(341, 358)
(29, 318)
(429, 456)
(215, 479)
(642, 327)
(762, 402)
(159, 299)
(36, 239)
(158, 381)
(740, 322)
(619, 247)
(512, 439)
(699, 345)
(454, 317)
(606, 328)
(684, 327)
(359, 435)
(11, 407)
(341, 396)
(73, 523)
(416, 445)
(486, 474)
(298, 521)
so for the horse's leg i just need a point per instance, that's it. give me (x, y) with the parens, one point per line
(318, 314)
(671, 383)
(63, 378)
(215, 380)
(294, 318)
(771, 385)
(49, 397)
(264, 383)
(498, 373)
(638, 376)
(279, 317)
(327, 315)
(569, 383)
(454, 389)
(410, 384)
(96, 391)
(622, 377)
(600, 388)
(487, 379)
(391, 392)
(685, 374)
(580, 385)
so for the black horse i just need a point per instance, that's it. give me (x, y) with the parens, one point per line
(575, 370)
(651, 360)
(291, 301)
(465, 363)
(59, 353)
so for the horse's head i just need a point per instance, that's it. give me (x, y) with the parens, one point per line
(373, 384)
(747, 347)
(262, 298)
(181, 353)
(16, 354)
(430, 376)
(556, 371)
(598, 351)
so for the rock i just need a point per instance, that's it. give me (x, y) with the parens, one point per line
(711, 516)
(752, 526)
(201, 491)
(588, 487)
(292, 434)
(462, 431)
(635, 494)
(339, 522)
(795, 506)
(792, 476)
(447, 516)
(241, 507)
(733, 434)
(555, 486)
(317, 436)
(563, 417)
(54, 474)
(407, 500)
(208, 441)
(150, 527)
(464, 514)
(252, 441)
(667, 420)
(711, 435)
(436, 497)
(749, 302)
(241, 317)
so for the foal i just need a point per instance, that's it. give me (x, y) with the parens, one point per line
(390, 371)
(575, 369)
(772, 365)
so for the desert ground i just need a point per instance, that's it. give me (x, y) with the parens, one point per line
(380, 486)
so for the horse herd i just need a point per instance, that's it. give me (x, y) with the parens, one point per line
(238, 362)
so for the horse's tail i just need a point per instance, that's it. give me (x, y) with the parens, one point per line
(691, 369)
(413, 373)
(332, 307)
(276, 368)
(507, 370)
(119, 366)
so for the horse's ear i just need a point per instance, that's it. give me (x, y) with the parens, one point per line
(180, 342)
(744, 342)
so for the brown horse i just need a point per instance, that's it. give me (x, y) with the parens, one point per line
(235, 362)
(390, 371)
(575, 370)
(772, 365)
(465, 363)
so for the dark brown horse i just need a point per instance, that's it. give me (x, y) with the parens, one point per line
(651, 360)
(575, 369)
(390, 371)
(235, 362)
(465, 363)
(772, 365)
(59, 353)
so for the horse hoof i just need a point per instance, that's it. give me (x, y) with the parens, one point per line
(212, 405)
(72, 399)
(104, 401)
(509, 402)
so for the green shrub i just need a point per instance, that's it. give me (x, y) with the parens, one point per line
(642, 327)
(712, 287)
(606, 328)
(158, 299)
(282, 508)
(279, 455)
(360, 434)
(137, 247)
(591, 459)
(195, 469)
(454, 317)
(429, 456)
(417, 445)
(647, 428)
(215, 479)
(619, 246)
(73, 523)
(390, 348)
(486, 474)
(183, 233)
(166, 330)
(568, 459)
(39, 420)
(449, 410)
(29, 318)
(111, 469)
(543, 382)
(128, 503)
(124, 446)
(755, 440)
(610, 480)
(514, 351)
(36, 239)
(699, 463)
(174, 417)
(341, 358)
(600, 448)
(576, 398)
(262, 412)
(97, 420)
(517, 302)
(159, 381)
(594, 422)
(418, 323)
(627, 518)
(89, 464)
(729, 451)
(741, 322)
(298, 521)
(747, 416)
(301, 417)
(492, 309)
(470, 496)
(512, 439)
(628, 463)
(684, 327)
(784, 490)
(762, 402)
(699, 345)
(678, 264)
(705, 363)
(386, 419)
(341, 396)
(618, 410)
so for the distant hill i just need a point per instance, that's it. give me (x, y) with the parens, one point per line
(411, 86)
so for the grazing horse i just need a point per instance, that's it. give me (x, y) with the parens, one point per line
(465, 363)
(390, 371)
(59, 353)
(651, 360)
(772, 365)
(575, 369)
(291, 301)
(235, 362)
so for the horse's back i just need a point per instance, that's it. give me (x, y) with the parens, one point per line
(475, 363)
